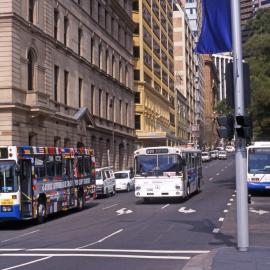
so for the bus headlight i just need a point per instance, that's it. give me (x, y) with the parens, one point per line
(137, 187)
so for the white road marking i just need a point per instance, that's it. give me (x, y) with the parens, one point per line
(110, 206)
(10, 249)
(19, 236)
(229, 204)
(186, 211)
(260, 212)
(216, 230)
(222, 170)
(231, 200)
(210, 179)
(217, 174)
(123, 211)
(102, 239)
(221, 219)
(165, 206)
(122, 250)
(226, 211)
(94, 255)
(233, 195)
(24, 264)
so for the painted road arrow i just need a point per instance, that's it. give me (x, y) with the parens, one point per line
(186, 211)
(123, 211)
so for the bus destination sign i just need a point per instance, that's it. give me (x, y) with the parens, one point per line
(157, 151)
(4, 152)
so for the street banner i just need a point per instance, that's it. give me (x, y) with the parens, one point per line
(216, 33)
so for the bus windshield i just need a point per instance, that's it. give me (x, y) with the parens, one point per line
(8, 178)
(158, 165)
(259, 160)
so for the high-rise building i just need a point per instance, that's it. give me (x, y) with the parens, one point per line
(154, 73)
(246, 12)
(66, 76)
(258, 4)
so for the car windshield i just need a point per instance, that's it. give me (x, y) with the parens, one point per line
(204, 154)
(158, 165)
(8, 178)
(222, 152)
(98, 175)
(259, 160)
(121, 175)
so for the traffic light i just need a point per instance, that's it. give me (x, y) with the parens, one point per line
(230, 85)
(226, 126)
(243, 126)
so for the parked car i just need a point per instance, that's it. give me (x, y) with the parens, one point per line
(214, 154)
(105, 182)
(124, 180)
(230, 148)
(206, 156)
(222, 155)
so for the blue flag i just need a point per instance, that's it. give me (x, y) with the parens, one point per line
(216, 33)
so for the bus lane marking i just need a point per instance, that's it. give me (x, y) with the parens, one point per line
(24, 264)
(19, 236)
(110, 206)
(101, 240)
(163, 207)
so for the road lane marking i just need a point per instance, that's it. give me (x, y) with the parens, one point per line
(102, 239)
(165, 206)
(231, 200)
(186, 211)
(123, 211)
(233, 195)
(217, 174)
(94, 255)
(221, 219)
(110, 206)
(226, 211)
(216, 230)
(24, 264)
(210, 179)
(19, 236)
(122, 250)
(229, 204)
(222, 170)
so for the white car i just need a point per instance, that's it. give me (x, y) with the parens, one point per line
(230, 148)
(124, 180)
(206, 156)
(222, 155)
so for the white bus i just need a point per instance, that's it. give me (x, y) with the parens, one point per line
(258, 166)
(167, 172)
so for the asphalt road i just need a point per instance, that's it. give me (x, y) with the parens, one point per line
(122, 232)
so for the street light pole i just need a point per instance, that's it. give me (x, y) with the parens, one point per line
(240, 143)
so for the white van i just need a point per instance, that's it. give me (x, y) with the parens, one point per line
(105, 182)
(124, 180)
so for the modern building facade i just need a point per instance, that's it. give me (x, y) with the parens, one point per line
(185, 68)
(258, 4)
(247, 9)
(154, 73)
(66, 76)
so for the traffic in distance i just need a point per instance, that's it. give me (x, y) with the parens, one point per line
(38, 181)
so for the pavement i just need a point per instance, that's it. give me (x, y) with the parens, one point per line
(257, 257)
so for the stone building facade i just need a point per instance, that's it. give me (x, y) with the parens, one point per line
(66, 76)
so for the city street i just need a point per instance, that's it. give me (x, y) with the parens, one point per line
(121, 232)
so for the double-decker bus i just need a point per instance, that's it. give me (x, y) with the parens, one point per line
(37, 181)
(167, 172)
(258, 166)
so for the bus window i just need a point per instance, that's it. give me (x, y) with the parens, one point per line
(86, 165)
(8, 179)
(58, 166)
(80, 166)
(66, 167)
(50, 165)
(39, 167)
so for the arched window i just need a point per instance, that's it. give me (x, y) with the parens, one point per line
(30, 70)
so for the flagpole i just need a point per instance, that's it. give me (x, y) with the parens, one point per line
(240, 143)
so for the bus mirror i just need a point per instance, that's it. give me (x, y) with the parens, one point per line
(17, 169)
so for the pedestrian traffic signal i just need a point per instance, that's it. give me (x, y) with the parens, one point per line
(243, 127)
(226, 126)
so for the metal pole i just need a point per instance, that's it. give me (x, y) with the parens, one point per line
(240, 154)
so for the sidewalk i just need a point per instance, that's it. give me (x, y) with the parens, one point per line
(229, 258)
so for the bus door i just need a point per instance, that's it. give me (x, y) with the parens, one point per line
(26, 187)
